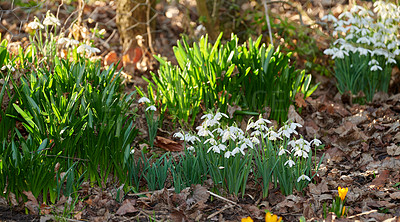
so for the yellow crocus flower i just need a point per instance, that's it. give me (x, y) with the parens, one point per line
(272, 218)
(247, 219)
(343, 192)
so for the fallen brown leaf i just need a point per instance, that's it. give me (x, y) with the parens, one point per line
(294, 116)
(380, 180)
(32, 204)
(299, 99)
(127, 207)
(168, 144)
(112, 58)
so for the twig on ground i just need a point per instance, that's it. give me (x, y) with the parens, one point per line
(222, 198)
(363, 213)
(148, 192)
(220, 211)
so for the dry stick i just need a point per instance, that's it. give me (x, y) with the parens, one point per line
(222, 198)
(267, 18)
(363, 213)
(148, 192)
(148, 27)
(220, 211)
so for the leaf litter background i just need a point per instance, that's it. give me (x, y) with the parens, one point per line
(362, 149)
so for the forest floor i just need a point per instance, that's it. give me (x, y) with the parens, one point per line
(362, 149)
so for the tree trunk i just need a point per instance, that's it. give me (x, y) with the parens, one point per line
(132, 20)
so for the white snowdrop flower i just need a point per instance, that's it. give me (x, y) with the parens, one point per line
(379, 44)
(214, 148)
(331, 51)
(132, 151)
(248, 142)
(190, 148)
(203, 131)
(255, 140)
(256, 133)
(219, 131)
(346, 14)
(375, 68)
(211, 122)
(303, 144)
(67, 41)
(35, 25)
(217, 148)
(250, 126)
(9, 67)
(283, 151)
(290, 162)
(221, 167)
(207, 116)
(396, 52)
(179, 135)
(293, 126)
(211, 141)
(316, 142)
(262, 121)
(274, 136)
(300, 153)
(51, 20)
(144, 100)
(390, 61)
(228, 135)
(363, 31)
(329, 18)
(340, 54)
(364, 40)
(380, 52)
(392, 45)
(152, 108)
(191, 138)
(88, 49)
(363, 51)
(373, 62)
(303, 177)
(237, 150)
(286, 131)
(349, 36)
(339, 41)
(219, 115)
(228, 154)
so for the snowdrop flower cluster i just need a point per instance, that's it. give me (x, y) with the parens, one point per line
(362, 32)
(67, 42)
(147, 101)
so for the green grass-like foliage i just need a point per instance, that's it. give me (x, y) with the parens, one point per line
(250, 75)
(77, 116)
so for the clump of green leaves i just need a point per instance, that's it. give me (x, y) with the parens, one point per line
(221, 75)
